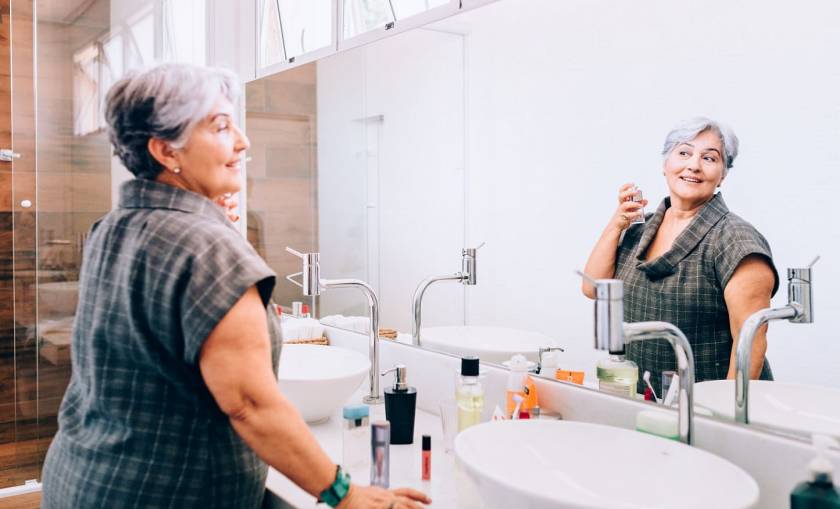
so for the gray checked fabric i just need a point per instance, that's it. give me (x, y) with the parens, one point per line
(685, 287)
(138, 426)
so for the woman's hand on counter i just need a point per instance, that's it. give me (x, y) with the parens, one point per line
(364, 497)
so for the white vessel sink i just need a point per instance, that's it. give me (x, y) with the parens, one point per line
(58, 299)
(319, 379)
(562, 464)
(796, 408)
(490, 344)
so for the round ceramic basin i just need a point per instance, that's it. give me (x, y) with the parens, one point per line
(563, 464)
(490, 344)
(797, 408)
(319, 380)
(58, 299)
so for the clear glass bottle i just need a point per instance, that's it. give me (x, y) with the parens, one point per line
(469, 395)
(355, 435)
(617, 375)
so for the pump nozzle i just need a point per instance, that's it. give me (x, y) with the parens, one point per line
(820, 467)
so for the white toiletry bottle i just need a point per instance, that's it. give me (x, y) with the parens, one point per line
(617, 375)
(516, 382)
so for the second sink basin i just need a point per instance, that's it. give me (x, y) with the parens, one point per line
(490, 344)
(564, 464)
(797, 408)
(318, 380)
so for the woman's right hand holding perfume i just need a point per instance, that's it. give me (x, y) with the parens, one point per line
(628, 210)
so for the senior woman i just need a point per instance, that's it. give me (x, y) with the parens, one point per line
(693, 263)
(173, 400)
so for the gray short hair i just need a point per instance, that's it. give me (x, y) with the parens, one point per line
(165, 102)
(690, 129)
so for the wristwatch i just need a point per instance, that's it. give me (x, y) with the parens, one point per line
(335, 492)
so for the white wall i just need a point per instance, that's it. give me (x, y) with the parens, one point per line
(568, 100)
(391, 172)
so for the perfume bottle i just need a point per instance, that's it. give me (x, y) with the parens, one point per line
(640, 219)
(469, 395)
(617, 375)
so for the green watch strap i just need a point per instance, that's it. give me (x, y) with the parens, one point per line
(335, 493)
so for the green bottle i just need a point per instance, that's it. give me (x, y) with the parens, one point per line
(819, 492)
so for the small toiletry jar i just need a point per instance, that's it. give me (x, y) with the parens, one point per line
(355, 436)
(575, 377)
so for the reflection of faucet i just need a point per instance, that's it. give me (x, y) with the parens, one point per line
(312, 284)
(544, 350)
(466, 276)
(800, 309)
(611, 333)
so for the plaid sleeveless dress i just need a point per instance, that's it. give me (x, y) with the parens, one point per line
(138, 427)
(685, 287)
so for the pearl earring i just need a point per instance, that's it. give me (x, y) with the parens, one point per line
(176, 170)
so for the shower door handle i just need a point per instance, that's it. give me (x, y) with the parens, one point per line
(8, 155)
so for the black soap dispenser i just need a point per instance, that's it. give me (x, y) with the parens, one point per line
(819, 492)
(400, 403)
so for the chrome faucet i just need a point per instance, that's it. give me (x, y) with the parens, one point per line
(467, 276)
(612, 334)
(312, 284)
(800, 309)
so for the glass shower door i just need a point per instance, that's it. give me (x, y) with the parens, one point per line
(22, 441)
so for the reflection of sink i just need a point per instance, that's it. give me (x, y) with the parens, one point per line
(319, 379)
(491, 344)
(58, 299)
(792, 407)
(553, 464)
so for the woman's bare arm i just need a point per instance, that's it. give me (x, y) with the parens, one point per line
(235, 362)
(749, 290)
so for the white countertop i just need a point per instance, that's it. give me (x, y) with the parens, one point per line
(405, 460)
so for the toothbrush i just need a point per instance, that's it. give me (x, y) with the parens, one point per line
(518, 399)
(672, 391)
(646, 378)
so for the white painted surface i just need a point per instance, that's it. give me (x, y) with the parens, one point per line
(391, 175)
(576, 98)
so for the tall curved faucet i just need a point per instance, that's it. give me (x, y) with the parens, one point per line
(800, 309)
(467, 276)
(613, 334)
(312, 284)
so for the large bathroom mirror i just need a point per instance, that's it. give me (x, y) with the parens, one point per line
(514, 125)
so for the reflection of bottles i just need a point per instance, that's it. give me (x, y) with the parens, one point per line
(617, 375)
(516, 382)
(469, 395)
